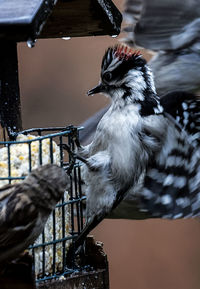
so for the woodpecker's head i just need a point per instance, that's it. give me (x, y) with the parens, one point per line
(125, 75)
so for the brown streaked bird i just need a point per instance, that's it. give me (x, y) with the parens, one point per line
(25, 208)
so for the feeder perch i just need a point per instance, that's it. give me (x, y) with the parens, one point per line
(26, 20)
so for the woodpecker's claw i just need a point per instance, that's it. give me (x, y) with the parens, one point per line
(73, 156)
(74, 135)
(68, 149)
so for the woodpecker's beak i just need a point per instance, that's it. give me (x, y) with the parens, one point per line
(97, 89)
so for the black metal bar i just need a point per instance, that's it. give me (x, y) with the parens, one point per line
(72, 204)
(76, 197)
(12, 178)
(63, 235)
(43, 254)
(80, 190)
(51, 150)
(44, 244)
(29, 156)
(71, 201)
(9, 165)
(39, 130)
(61, 150)
(40, 152)
(71, 192)
(81, 197)
(10, 109)
(33, 254)
(54, 244)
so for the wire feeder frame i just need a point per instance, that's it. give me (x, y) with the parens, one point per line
(60, 135)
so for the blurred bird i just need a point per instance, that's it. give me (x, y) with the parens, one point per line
(172, 30)
(25, 207)
(137, 149)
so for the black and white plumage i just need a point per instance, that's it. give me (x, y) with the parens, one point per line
(132, 140)
(25, 207)
(184, 107)
(171, 183)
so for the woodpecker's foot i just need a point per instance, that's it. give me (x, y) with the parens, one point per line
(73, 157)
(75, 136)
(69, 150)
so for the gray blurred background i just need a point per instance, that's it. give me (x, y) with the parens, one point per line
(54, 78)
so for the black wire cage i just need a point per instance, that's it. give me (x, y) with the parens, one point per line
(39, 146)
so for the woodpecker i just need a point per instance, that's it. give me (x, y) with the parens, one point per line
(137, 148)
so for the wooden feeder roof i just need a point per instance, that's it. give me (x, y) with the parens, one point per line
(24, 19)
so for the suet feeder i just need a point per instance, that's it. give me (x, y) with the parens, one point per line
(25, 20)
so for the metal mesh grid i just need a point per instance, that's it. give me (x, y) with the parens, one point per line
(72, 204)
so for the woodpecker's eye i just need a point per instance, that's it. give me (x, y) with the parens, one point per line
(107, 76)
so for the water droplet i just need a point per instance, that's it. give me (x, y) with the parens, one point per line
(31, 42)
(114, 36)
(66, 38)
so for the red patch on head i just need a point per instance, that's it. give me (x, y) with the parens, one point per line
(125, 52)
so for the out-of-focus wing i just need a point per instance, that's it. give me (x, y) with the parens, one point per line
(171, 183)
(163, 25)
(176, 70)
